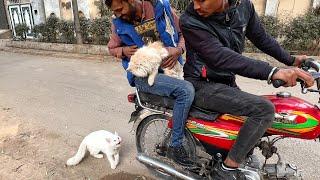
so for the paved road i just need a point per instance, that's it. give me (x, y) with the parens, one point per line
(72, 97)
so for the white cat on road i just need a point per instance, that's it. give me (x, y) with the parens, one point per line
(99, 142)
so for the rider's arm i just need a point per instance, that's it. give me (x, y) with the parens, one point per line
(216, 55)
(115, 45)
(262, 40)
(181, 43)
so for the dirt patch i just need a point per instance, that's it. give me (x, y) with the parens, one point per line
(125, 176)
(31, 152)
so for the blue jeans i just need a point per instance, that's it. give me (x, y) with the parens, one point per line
(183, 93)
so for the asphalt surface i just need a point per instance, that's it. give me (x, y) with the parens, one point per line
(73, 97)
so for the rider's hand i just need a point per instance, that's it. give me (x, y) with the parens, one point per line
(128, 51)
(299, 60)
(174, 54)
(291, 75)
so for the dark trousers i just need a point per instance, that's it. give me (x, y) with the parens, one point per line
(231, 100)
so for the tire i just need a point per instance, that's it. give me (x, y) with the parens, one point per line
(157, 149)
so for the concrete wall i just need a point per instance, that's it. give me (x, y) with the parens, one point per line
(283, 8)
(316, 3)
(292, 8)
(52, 6)
(38, 9)
(94, 8)
(260, 6)
(84, 7)
(66, 10)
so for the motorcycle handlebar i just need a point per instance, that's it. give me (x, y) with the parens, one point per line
(306, 65)
(278, 83)
(310, 63)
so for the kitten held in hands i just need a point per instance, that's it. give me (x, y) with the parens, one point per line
(99, 143)
(146, 61)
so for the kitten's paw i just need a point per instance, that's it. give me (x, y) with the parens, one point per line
(71, 162)
(99, 156)
(150, 81)
(113, 167)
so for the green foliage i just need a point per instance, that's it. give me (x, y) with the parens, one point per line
(272, 25)
(301, 32)
(298, 35)
(66, 28)
(51, 29)
(180, 5)
(38, 31)
(21, 30)
(85, 25)
(100, 30)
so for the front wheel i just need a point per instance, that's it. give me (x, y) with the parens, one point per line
(153, 137)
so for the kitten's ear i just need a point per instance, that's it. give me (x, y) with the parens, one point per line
(115, 133)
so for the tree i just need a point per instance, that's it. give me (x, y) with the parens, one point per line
(76, 21)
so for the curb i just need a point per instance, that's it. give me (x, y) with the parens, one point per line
(59, 47)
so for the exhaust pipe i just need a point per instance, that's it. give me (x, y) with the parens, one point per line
(166, 168)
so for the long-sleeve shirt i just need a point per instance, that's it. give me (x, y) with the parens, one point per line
(223, 50)
(115, 45)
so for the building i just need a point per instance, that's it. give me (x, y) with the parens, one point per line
(34, 12)
(284, 9)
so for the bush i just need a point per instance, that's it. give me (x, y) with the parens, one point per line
(302, 32)
(66, 28)
(272, 26)
(180, 5)
(22, 30)
(51, 29)
(38, 31)
(100, 30)
(85, 25)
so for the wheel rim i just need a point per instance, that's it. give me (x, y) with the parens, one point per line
(153, 135)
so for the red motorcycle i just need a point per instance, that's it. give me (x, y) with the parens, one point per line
(209, 135)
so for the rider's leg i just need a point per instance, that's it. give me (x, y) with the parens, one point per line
(226, 99)
(183, 92)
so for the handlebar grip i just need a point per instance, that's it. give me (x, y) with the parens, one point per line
(278, 83)
(311, 63)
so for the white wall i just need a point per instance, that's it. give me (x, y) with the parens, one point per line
(52, 6)
(83, 5)
(316, 3)
(38, 6)
(272, 8)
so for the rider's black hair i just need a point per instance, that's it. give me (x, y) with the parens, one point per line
(108, 3)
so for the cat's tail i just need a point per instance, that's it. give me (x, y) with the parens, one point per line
(78, 157)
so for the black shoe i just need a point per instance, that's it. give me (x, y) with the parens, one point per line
(179, 155)
(220, 173)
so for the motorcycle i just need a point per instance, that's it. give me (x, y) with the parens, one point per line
(209, 135)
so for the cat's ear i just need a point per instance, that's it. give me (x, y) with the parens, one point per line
(115, 133)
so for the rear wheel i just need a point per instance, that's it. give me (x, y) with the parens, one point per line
(153, 139)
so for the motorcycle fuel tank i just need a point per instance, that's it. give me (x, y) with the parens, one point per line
(294, 118)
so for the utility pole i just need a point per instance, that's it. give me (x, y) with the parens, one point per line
(76, 21)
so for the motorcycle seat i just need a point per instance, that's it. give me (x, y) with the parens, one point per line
(154, 101)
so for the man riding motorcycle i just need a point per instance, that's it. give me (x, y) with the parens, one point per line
(215, 31)
(154, 18)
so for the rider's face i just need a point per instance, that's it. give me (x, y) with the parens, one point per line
(207, 7)
(124, 9)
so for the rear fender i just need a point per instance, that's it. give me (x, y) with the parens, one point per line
(142, 114)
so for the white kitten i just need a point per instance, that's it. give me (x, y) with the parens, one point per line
(96, 142)
(146, 61)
